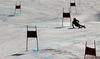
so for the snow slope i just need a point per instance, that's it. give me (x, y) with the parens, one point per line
(55, 41)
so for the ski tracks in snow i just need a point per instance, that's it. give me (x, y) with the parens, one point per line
(49, 43)
(11, 14)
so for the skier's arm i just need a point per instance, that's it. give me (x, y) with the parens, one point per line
(78, 21)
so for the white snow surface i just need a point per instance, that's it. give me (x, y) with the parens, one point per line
(55, 41)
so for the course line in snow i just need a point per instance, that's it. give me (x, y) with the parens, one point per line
(9, 15)
(49, 43)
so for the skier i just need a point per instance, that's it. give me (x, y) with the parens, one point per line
(76, 23)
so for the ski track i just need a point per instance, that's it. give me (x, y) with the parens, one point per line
(10, 4)
(9, 15)
(49, 43)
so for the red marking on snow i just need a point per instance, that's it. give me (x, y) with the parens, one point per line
(62, 49)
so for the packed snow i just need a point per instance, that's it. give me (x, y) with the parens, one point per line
(55, 41)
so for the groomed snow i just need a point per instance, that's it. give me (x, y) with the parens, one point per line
(55, 41)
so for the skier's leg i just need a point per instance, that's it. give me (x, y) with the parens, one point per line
(82, 26)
